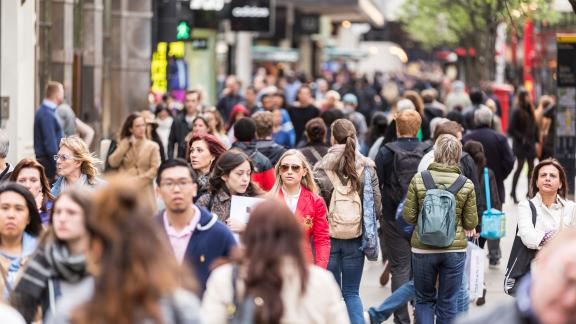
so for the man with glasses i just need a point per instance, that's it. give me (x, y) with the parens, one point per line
(182, 124)
(195, 235)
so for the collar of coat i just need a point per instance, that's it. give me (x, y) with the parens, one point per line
(434, 166)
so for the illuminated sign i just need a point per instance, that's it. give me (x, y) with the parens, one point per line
(159, 63)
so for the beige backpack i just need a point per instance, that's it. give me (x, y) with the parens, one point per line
(345, 210)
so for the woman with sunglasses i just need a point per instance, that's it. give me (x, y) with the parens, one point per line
(75, 165)
(30, 173)
(296, 187)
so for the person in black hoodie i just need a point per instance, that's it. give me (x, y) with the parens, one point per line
(245, 133)
(264, 121)
(182, 124)
(524, 132)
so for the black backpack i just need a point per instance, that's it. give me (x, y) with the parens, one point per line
(404, 168)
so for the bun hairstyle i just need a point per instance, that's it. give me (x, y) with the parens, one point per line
(316, 130)
(344, 132)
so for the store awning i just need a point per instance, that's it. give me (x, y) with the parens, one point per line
(274, 54)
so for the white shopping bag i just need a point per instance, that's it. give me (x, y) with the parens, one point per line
(475, 259)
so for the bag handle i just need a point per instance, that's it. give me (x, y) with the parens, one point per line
(487, 189)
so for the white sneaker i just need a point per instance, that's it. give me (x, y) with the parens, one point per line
(367, 318)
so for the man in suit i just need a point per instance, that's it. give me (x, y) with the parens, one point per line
(47, 128)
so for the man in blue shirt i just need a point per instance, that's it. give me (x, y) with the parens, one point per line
(47, 128)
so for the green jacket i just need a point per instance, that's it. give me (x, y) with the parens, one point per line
(467, 216)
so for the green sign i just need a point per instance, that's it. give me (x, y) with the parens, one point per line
(183, 31)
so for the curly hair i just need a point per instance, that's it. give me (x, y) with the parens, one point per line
(81, 153)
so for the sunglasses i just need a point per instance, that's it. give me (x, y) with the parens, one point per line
(286, 167)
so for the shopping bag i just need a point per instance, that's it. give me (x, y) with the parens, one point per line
(475, 259)
(493, 220)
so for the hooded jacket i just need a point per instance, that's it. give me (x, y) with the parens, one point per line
(263, 168)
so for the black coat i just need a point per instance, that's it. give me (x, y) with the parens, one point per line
(178, 133)
(260, 161)
(524, 132)
(499, 156)
(270, 149)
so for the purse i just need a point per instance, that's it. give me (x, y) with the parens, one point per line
(519, 260)
(240, 312)
(493, 220)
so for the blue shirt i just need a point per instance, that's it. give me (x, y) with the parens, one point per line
(47, 130)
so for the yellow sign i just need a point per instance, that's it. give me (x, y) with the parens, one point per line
(176, 50)
(158, 69)
(566, 38)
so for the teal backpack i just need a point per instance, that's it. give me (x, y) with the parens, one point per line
(437, 218)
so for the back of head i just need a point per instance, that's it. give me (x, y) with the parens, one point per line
(264, 121)
(52, 89)
(447, 150)
(408, 123)
(350, 99)
(245, 130)
(416, 100)
(117, 224)
(404, 104)
(476, 151)
(449, 127)
(434, 124)
(272, 236)
(344, 133)
(429, 95)
(476, 97)
(316, 130)
(483, 117)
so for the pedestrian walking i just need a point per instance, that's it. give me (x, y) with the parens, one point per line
(296, 187)
(238, 112)
(273, 282)
(196, 236)
(524, 132)
(203, 152)
(30, 174)
(264, 121)
(316, 146)
(20, 227)
(341, 175)
(47, 128)
(6, 167)
(375, 134)
(435, 256)
(396, 163)
(59, 263)
(229, 97)
(136, 156)
(303, 112)
(216, 124)
(231, 177)
(499, 156)
(122, 261)
(182, 125)
(165, 121)
(75, 165)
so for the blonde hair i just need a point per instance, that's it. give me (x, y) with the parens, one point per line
(82, 153)
(447, 150)
(307, 180)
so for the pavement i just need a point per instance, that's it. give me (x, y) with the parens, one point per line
(373, 294)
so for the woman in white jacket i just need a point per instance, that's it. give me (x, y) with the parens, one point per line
(274, 275)
(548, 188)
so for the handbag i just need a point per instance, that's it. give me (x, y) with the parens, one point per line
(475, 260)
(493, 220)
(519, 260)
(240, 312)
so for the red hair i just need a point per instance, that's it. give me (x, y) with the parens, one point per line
(215, 146)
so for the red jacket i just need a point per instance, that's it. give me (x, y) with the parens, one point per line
(311, 210)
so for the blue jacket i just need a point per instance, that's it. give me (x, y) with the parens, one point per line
(210, 241)
(47, 132)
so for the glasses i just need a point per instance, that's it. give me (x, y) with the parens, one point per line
(170, 185)
(286, 167)
(63, 157)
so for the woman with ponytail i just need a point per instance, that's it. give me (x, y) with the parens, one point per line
(345, 169)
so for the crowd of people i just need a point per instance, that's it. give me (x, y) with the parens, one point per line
(345, 172)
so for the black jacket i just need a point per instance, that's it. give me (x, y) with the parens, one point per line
(260, 161)
(226, 103)
(178, 133)
(524, 132)
(499, 156)
(270, 149)
(312, 152)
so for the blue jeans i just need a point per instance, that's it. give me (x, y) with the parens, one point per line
(346, 264)
(448, 268)
(399, 298)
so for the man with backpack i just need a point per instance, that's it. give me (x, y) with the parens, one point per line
(396, 164)
(441, 202)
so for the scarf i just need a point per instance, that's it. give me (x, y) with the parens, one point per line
(52, 261)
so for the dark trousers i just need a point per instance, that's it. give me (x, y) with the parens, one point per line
(49, 167)
(399, 255)
(494, 252)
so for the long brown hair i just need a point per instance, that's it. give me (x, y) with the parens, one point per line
(563, 179)
(344, 132)
(125, 132)
(227, 162)
(31, 163)
(137, 267)
(270, 239)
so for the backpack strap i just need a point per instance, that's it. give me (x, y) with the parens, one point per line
(533, 209)
(428, 180)
(457, 185)
(316, 154)
(333, 177)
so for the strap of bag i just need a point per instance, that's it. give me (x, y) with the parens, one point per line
(457, 185)
(428, 180)
(316, 154)
(487, 189)
(533, 209)
(333, 177)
